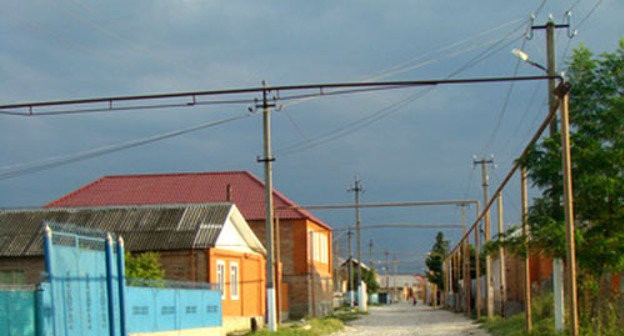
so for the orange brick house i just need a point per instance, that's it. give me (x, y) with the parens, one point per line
(305, 249)
(201, 242)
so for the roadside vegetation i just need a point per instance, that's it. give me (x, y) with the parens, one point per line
(314, 327)
(597, 151)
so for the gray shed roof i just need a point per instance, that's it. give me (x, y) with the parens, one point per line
(144, 228)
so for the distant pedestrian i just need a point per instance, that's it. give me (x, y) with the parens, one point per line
(414, 300)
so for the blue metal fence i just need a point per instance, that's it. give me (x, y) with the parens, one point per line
(161, 309)
(85, 294)
(17, 312)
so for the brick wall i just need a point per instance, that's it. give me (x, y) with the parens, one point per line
(296, 267)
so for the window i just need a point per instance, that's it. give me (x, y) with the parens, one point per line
(221, 277)
(320, 247)
(234, 281)
(12, 277)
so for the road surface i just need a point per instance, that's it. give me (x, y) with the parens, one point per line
(403, 319)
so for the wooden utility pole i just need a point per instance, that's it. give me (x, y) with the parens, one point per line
(370, 251)
(356, 189)
(457, 270)
(394, 284)
(478, 271)
(489, 297)
(527, 268)
(501, 255)
(268, 201)
(568, 205)
(387, 255)
(351, 288)
(278, 285)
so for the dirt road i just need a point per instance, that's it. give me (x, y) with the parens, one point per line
(403, 319)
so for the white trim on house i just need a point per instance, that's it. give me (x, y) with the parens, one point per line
(234, 281)
(220, 272)
(236, 235)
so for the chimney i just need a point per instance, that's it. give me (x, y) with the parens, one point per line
(228, 193)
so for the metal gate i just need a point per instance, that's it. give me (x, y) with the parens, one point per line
(81, 296)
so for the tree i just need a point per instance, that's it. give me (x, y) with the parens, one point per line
(369, 278)
(597, 153)
(435, 259)
(144, 266)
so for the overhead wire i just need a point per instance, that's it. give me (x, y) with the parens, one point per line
(11, 171)
(591, 12)
(363, 122)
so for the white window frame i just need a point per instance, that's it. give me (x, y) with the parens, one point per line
(234, 281)
(220, 271)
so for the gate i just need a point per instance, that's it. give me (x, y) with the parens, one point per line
(81, 296)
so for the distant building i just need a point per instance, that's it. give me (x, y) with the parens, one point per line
(305, 250)
(402, 286)
(201, 242)
(343, 273)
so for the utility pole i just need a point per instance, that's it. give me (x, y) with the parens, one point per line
(477, 273)
(268, 201)
(387, 255)
(527, 268)
(486, 220)
(551, 69)
(394, 284)
(501, 254)
(356, 189)
(351, 292)
(461, 252)
(370, 250)
(568, 205)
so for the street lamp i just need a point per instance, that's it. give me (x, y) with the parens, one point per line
(524, 57)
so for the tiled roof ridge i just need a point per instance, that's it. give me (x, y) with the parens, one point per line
(90, 185)
(117, 207)
(286, 200)
(71, 194)
(224, 172)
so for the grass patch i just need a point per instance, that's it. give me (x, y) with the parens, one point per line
(314, 327)
(348, 315)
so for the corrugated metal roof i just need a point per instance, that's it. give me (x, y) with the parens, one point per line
(206, 187)
(145, 228)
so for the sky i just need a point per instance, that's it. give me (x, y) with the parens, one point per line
(412, 144)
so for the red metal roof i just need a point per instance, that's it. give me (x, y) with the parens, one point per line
(208, 187)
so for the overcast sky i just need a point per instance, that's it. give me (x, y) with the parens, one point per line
(405, 145)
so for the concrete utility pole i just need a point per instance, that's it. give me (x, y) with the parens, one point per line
(268, 201)
(356, 189)
(501, 254)
(527, 268)
(351, 292)
(486, 219)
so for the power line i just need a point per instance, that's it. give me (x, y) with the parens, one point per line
(33, 167)
(580, 24)
(375, 116)
(404, 226)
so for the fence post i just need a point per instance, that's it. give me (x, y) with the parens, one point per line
(121, 273)
(49, 268)
(109, 285)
